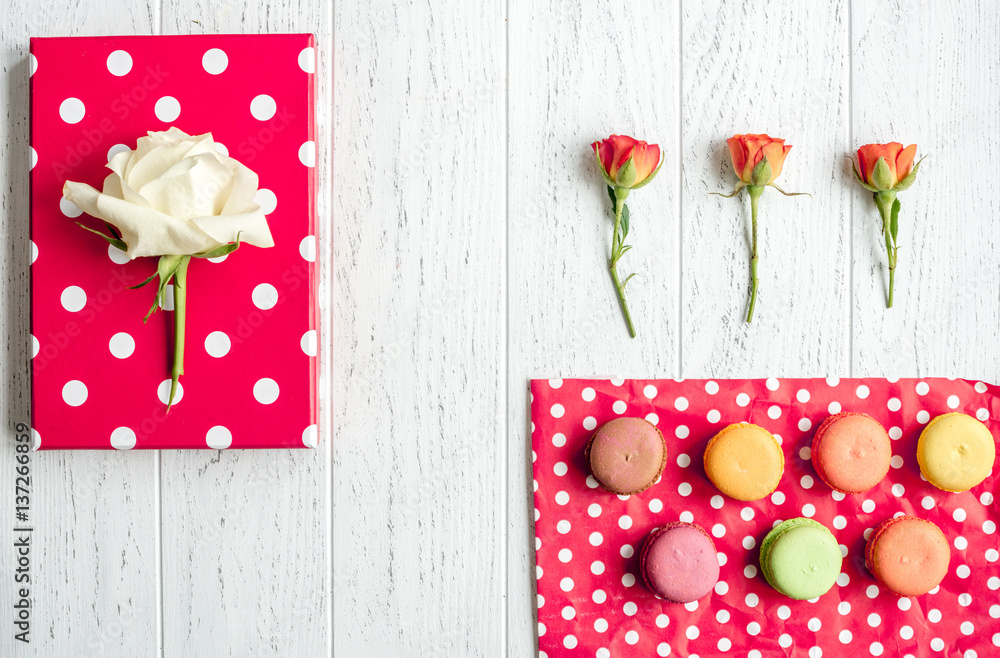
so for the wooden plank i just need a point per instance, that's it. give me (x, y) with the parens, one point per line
(747, 70)
(419, 329)
(245, 534)
(93, 559)
(580, 71)
(928, 74)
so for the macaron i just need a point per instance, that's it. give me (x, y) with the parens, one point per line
(800, 558)
(744, 461)
(851, 452)
(956, 452)
(679, 563)
(627, 455)
(909, 556)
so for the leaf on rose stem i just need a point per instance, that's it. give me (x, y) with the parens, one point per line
(624, 249)
(218, 252)
(894, 222)
(117, 242)
(627, 279)
(113, 229)
(624, 221)
(165, 269)
(611, 193)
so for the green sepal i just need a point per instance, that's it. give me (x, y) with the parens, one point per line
(604, 174)
(627, 174)
(649, 178)
(165, 269)
(882, 175)
(218, 252)
(910, 178)
(761, 174)
(116, 242)
(788, 193)
(624, 221)
(894, 221)
(736, 190)
(857, 176)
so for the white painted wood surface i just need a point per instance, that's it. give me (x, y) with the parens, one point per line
(465, 241)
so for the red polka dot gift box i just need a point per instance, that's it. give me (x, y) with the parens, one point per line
(591, 598)
(100, 375)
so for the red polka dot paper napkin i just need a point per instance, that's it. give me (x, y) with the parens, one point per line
(100, 377)
(591, 598)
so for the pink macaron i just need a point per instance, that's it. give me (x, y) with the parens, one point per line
(679, 562)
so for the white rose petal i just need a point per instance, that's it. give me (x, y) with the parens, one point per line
(176, 194)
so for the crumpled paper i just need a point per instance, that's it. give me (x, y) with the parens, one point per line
(591, 600)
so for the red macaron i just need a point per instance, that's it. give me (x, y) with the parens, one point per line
(851, 452)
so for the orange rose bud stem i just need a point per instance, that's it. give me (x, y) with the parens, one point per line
(616, 253)
(887, 204)
(755, 191)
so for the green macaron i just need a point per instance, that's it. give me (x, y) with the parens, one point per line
(800, 558)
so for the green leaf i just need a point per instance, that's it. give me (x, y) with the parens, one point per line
(113, 229)
(894, 222)
(611, 193)
(136, 287)
(110, 240)
(624, 249)
(624, 221)
(218, 252)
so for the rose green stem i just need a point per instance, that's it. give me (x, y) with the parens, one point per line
(884, 201)
(616, 249)
(755, 191)
(180, 305)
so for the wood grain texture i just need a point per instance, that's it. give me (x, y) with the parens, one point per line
(784, 72)
(578, 72)
(465, 236)
(928, 74)
(93, 563)
(245, 534)
(419, 334)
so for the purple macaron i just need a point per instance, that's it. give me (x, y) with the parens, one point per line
(679, 562)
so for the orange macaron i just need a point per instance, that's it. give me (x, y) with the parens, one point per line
(851, 452)
(908, 555)
(744, 461)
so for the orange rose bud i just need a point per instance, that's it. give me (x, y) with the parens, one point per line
(898, 160)
(627, 163)
(747, 151)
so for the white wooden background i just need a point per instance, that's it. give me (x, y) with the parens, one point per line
(465, 241)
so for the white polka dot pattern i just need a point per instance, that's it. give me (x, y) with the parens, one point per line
(742, 609)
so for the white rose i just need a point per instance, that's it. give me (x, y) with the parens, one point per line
(175, 194)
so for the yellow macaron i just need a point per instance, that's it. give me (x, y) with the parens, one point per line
(744, 461)
(955, 452)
